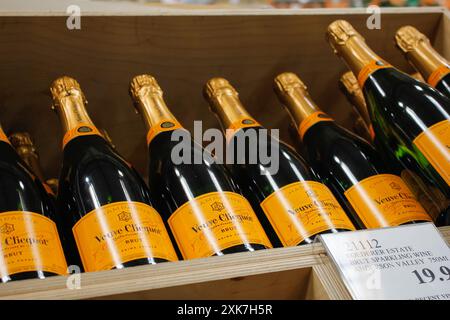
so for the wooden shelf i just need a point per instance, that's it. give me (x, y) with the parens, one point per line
(303, 272)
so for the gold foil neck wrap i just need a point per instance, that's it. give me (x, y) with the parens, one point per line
(148, 100)
(217, 87)
(63, 87)
(339, 32)
(288, 81)
(350, 87)
(349, 81)
(144, 84)
(224, 101)
(22, 140)
(408, 37)
(294, 95)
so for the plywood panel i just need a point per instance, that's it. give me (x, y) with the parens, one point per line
(182, 51)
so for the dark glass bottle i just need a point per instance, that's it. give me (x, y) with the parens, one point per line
(348, 164)
(206, 213)
(106, 204)
(409, 118)
(30, 246)
(292, 205)
(430, 197)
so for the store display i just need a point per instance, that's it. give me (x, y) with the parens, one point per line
(30, 246)
(421, 55)
(410, 119)
(291, 203)
(204, 206)
(201, 203)
(349, 165)
(104, 201)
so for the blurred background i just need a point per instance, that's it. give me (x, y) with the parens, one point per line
(298, 3)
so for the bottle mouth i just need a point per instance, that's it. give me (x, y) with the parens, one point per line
(64, 87)
(146, 83)
(349, 83)
(339, 32)
(287, 82)
(408, 37)
(216, 87)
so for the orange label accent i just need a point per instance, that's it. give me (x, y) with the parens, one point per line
(370, 68)
(48, 189)
(29, 242)
(244, 122)
(214, 222)
(311, 120)
(162, 126)
(84, 129)
(371, 132)
(303, 209)
(434, 143)
(384, 200)
(3, 137)
(438, 74)
(120, 232)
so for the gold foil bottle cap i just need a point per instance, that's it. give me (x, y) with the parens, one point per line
(350, 83)
(21, 140)
(144, 84)
(63, 87)
(217, 87)
(339, 32)
(288, 81)
(407, 38)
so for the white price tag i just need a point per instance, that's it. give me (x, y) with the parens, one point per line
(406, 262)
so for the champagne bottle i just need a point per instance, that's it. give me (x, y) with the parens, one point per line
(350, 88)
(22, 142)
(290, 202)
(348, 164)
(105, 202)
(429, 196)
(206, 213)
(408, 116)
(30, 246)
(421, 55)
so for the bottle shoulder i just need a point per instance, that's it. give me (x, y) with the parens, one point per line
(405, 103)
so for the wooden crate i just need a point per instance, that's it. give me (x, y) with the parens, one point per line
(183, 49)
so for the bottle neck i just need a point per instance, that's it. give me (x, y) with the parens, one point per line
(302, 109)
(74, 118)
(231, 113)
(30, 157)
(155, 113)
(360, 59)
(430, 64)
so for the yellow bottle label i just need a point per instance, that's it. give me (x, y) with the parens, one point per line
(162, 126)
(384, 200)
(120, 232)
(214, 222)
(311, 120)
(303, 209)
(434, 143)
(370, 68)
(244, 122)
(84, 129)
(437, 75)
(29, 242)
